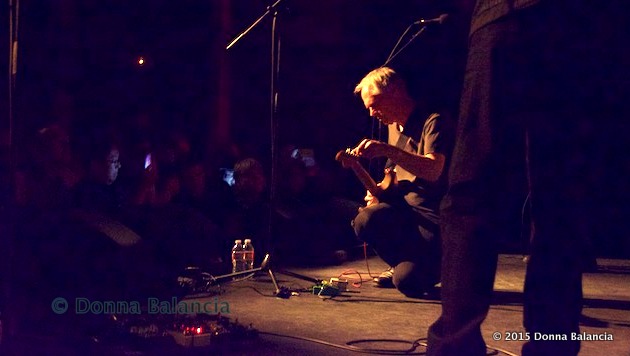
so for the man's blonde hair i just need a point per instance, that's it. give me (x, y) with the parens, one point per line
(380, 80)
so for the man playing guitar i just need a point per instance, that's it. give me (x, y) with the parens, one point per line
(404, 230)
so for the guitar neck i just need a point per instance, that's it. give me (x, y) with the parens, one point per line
(380, 190)
(365, 179)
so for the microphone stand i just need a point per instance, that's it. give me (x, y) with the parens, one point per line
(8, 320)
(282, 292)
(272, 10)
(395, 51)
(264, 266)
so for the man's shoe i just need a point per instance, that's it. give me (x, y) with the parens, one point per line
(385, 279)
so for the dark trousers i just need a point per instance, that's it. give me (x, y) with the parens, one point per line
(405, 239)
(535, 83)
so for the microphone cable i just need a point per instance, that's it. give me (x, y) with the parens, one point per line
(395, 51)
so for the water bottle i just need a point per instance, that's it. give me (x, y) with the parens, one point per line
(248, 252)
(238, 263)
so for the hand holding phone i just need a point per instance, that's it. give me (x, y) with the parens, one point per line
(147, 161)
(228, 176)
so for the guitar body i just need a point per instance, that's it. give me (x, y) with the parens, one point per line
(388, 187)
(385, 191)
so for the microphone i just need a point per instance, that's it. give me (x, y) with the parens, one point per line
(438, 21)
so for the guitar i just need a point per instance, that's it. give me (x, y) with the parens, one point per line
(381, 190)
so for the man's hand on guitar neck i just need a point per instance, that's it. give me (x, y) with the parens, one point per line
(350, 160)
(370, 148)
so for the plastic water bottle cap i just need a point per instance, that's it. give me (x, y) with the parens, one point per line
(237, 241)
(248, 241)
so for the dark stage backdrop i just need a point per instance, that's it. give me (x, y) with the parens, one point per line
(78, 59)
(78, 63)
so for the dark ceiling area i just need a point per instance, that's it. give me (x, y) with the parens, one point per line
(84, 55)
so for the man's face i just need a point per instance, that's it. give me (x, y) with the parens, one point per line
(380, 105)
(251, 183)
(113, 165)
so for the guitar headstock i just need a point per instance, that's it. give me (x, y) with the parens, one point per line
(347, 158)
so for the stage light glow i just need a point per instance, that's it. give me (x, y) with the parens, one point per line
(141, 61)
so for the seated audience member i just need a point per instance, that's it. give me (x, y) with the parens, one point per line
(148, 177)
(102, 193)
(246, 209)
(196, 191)
(171, 156)
(179, 236)
(97, 191)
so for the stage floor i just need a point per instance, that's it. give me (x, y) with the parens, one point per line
(309, 324)
(367, 319)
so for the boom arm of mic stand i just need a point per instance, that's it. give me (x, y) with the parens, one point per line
(301, 276)
(269, 8)
(395, 51)
(264, 266)
(216, 279)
